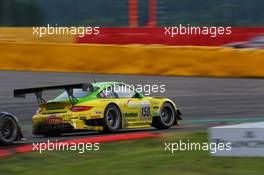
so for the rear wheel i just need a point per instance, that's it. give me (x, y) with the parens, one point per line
(8, 130)
(112, 119)
(166, 118)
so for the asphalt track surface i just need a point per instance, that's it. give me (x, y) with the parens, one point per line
(200, 99)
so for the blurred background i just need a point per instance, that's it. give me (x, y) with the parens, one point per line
(136, 21)
(115, 13)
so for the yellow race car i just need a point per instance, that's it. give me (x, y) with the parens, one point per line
(101, 106)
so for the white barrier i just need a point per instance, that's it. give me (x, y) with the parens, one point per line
(245, 139)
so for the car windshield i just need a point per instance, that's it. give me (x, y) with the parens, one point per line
(77, 93)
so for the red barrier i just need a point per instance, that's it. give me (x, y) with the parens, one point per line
(157, 36)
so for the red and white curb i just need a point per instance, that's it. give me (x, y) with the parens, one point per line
(98, 139)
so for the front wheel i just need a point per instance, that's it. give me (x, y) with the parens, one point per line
(8, 130)
(166, 118)
(112, 119)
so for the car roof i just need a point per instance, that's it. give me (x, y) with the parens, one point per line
(105, 84)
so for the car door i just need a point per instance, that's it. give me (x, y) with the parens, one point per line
(136, 110)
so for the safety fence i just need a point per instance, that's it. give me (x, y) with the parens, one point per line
(125, 36)
(163, 36)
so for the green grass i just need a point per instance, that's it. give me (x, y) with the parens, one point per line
(132, 157)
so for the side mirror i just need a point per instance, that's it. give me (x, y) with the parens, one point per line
(139, 95)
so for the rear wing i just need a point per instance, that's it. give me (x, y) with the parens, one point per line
(21, 93)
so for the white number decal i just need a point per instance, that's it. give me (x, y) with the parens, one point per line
(145, 111)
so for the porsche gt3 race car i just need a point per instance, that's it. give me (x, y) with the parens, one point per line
(99, 106)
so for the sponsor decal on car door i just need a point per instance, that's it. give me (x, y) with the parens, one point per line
(141, 108)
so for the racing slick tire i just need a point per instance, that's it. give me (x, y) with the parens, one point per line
(9, 130)
(112, 119)
(166, 118)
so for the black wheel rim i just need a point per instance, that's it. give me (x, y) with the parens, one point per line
(112, 118)
(8, 129)
(167, 115)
